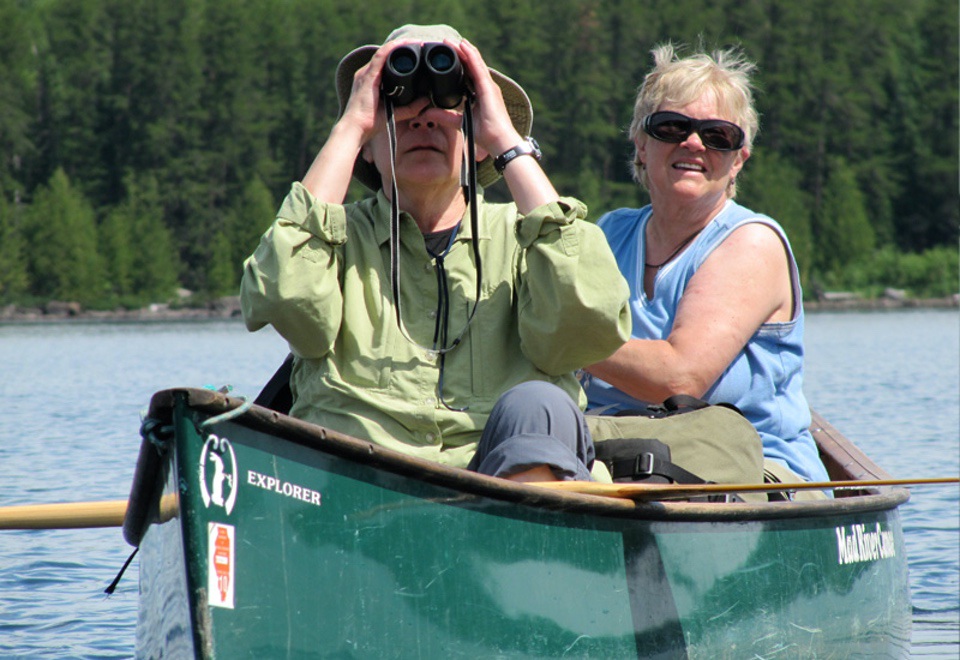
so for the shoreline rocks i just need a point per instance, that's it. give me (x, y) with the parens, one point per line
(61, 311)
(891, 299)
(229, 308)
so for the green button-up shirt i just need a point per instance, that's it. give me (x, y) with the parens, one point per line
(552, 301)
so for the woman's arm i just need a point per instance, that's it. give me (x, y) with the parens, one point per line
(495, 134)
(331, 171)
(292, 280)
(745, 283)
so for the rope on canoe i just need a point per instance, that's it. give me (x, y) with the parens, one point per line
(156, 433)
(113, 585)
(159, 435)
(230, 414)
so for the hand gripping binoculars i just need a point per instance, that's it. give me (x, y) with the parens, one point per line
(432, 70)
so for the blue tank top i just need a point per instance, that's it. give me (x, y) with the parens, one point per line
(765, 380)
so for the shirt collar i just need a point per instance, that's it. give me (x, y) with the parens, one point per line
(380, 213)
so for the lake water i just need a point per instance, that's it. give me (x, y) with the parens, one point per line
(72, 395)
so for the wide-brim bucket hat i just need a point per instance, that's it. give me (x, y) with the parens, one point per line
(516, 100)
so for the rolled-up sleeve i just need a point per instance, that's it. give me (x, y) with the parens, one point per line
(292, 281)
(573, 300)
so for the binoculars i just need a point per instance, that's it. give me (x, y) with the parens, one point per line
(431, 69)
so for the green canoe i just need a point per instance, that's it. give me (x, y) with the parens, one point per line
(261, 536)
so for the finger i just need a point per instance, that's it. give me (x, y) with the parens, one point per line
(476, 68)
(375, 66)
(489, 97)
(368, 78)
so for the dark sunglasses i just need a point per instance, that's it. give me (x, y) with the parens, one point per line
(673, 127)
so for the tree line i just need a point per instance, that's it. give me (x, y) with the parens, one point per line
(146, 144)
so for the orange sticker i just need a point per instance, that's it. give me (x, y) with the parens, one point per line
(220, 564)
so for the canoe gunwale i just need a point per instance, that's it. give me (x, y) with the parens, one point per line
(843, 460)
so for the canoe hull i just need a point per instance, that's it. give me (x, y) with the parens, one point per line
(281, 549)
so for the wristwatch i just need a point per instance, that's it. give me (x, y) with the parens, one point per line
(528, 147)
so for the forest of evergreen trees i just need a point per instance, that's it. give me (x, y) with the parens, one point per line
(147, 143)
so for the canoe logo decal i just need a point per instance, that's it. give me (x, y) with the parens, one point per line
(220, 489)
(220, 562)
(858, 543)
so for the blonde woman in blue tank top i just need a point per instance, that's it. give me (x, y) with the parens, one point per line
(715, 290)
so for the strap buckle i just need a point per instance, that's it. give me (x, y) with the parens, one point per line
(644, 464)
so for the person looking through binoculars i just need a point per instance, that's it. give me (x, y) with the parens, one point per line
(423, 317)
(429, 70)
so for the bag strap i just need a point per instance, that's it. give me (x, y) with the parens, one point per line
(681, 401)
(673, 405)
(646, 464)
(686, 403)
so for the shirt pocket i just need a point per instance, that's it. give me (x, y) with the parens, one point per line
(493, 347)
(366, 347)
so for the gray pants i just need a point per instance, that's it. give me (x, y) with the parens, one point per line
(535, 423)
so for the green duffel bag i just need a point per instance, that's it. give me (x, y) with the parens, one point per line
(713, 442)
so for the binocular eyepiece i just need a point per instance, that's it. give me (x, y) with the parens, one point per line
(431, 69)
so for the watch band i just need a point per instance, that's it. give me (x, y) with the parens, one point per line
(528, 147)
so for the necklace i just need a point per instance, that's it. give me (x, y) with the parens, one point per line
(675, 252)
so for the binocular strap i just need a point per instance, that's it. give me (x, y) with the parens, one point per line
(468, 178)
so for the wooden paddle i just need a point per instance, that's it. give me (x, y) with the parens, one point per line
(640, 491)
(66, 515)
(78, 515)
(75, 515)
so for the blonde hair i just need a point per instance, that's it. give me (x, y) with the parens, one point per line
(680, 81)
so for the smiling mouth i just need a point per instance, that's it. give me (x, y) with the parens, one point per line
(691, 167)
